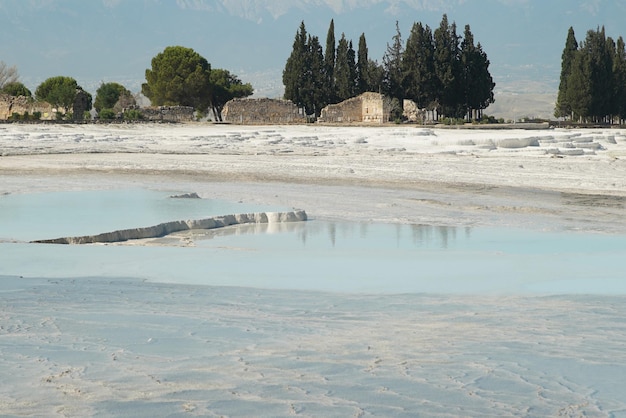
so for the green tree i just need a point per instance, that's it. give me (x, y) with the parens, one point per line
(345, 70)
(59, 91)
(16, 88)
(224, 87)
(316, 90)
(108, 95)
(476, 80)
(393, 82)
(598, 48)
(418, 66)
(578, 94)
(362, 66)
(296, 71)
(329, 63)
(563, 108)
(179, 76)
(448, 69)
(619, 76)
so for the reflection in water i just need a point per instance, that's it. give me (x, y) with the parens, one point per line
(346, 233)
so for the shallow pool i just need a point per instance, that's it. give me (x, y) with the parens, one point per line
(313, 255)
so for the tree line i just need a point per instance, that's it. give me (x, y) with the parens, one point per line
(178, 76)
(592, 85)
(439, 70)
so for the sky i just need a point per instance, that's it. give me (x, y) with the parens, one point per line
(99, 41)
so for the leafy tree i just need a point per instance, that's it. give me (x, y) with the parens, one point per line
(329, 63)
(107, 114)
(448, 69)
(317, 94)
(8, 74)
(596, 46)
(109, 94)
(563, 108)
(362, 67)
(224, 87)
(179, 76)
(345, 70)
(619, 75)
(418, 66)
(476, 80)
(375, 76)
(16, 88)
(59, 91)
(296, 71)
(578, 93)
(394, 78)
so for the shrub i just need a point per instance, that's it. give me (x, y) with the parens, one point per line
(453, 121)
(133, 114)
(107, 114)
(37, 115)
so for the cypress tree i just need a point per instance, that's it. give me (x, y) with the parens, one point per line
(578, 93)
(393, 75)
(344, 70)
(483, 96)
(563, 107)
(318, 95)
(448, 69)
(295, 72)
(418, 67)
(619, 76)
(477, 82)
(329, 63)
(362, 67)
(597, 47)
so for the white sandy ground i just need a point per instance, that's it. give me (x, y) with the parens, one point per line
(125, 347)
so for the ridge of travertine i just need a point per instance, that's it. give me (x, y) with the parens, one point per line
(167, 228)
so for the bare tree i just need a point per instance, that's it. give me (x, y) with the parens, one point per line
(7, 74)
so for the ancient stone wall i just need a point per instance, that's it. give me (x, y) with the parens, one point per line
(262, 111)
(350, 110)
(368, 108)
(168, 113)
(20, 105)
(376, 107)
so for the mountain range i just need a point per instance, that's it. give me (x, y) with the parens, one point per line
(114, 40)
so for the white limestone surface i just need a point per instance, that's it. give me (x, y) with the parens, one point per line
(88, 346)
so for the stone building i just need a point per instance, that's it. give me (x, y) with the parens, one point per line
(262, 111)
(369, 107)
(21, 105)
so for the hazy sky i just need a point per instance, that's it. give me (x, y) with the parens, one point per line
(114, 40)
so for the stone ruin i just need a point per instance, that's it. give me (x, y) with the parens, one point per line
(262, 111)
(81, 105)
(22, 105)
(368, 107)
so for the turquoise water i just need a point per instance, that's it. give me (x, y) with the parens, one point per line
(27, 217)
(313, 255)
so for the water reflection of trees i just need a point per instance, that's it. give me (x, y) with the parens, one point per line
(418, 235)
(336, 233)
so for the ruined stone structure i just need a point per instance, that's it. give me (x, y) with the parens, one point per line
(367, 108)
(168, 113)
(262, 111)
(81, 104)
(414, 114)
(21, 105)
